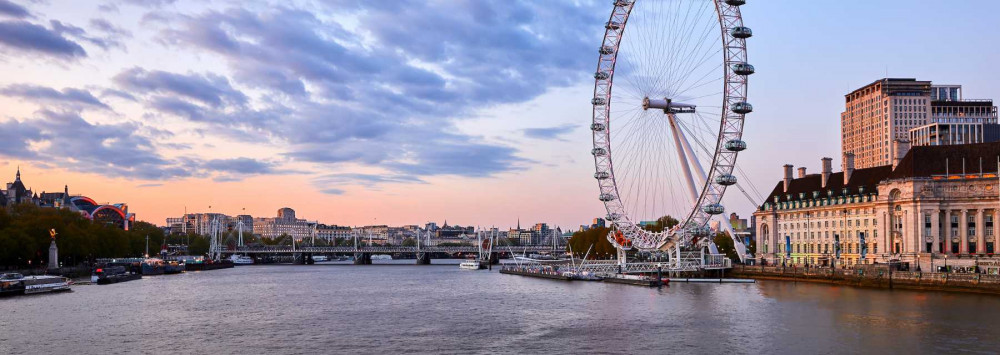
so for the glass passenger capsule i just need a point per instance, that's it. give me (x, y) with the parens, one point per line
(725, 180)
(714, 208)
(736, 2)
(597, 101)
(743, 69)
(741, 32)
(601, 75)
(601, 175)
(606, 197)
(736, 145)
(698, 231)
(598, 152)
(612, 25)
(607, 50)
(742, 108)
(596, 127)
(613, 216)
(623, 2)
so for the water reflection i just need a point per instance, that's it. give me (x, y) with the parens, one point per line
(408, 308)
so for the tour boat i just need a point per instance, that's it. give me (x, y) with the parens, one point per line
(241, 259)
(470, 264)
(381, 257)
(10, 284)
(320, 258)
(17, 284)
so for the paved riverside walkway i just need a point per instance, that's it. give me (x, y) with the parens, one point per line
(876, 277)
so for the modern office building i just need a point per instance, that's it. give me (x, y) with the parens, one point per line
(913, 113)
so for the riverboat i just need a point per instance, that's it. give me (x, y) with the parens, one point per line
(381, 257)
(113, 274)
(44, 283)
(153, 266)
(173, 267)
(470, 264)
(241, 259)
(10, 284)
(320, 258)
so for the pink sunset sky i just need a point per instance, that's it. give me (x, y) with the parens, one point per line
(356, 112)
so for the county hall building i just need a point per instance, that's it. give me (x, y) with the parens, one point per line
(924, 205)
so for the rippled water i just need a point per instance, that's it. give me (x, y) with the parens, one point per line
(441, 309)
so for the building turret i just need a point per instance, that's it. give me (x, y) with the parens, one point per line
(802, 172)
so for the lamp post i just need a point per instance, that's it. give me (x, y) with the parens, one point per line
(945, 262)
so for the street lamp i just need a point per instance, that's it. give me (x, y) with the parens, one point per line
(945, 262)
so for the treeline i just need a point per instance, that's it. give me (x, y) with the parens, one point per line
(24, 237)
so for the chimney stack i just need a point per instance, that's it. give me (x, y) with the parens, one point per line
(788, 176)
(827, 170)
(848, 167)
(899, 149)
(802, 172)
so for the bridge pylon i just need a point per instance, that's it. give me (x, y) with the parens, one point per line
(362, 259)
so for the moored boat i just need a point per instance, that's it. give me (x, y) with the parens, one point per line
(470, 264)
(113, 274)
(320, 258)
(153, 266)
(45, 283)
(241, 259)
(10, 284)
(173, 267)
(381, 257)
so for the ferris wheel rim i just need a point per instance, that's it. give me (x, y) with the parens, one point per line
(730, 128)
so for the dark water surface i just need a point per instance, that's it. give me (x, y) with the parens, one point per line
(388, 309)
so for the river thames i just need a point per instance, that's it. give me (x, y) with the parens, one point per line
(399, 308)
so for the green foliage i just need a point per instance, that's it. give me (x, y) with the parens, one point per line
(726, 246)
(596, 238)
(663, 223)
(24, 237)
(409, 242)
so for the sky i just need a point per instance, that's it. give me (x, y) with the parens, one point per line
(402, 112)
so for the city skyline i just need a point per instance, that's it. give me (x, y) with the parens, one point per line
(182, 121)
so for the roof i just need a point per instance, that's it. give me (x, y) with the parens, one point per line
(919, 162)
(927, 161)
(867, 179)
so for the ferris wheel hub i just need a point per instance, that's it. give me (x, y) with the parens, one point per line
(667, 105)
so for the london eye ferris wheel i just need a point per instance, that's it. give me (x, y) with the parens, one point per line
(670, 100)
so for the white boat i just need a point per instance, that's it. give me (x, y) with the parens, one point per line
(241, 259)
(381, 257)
(320, 258)
(39, 284)
(470, 264)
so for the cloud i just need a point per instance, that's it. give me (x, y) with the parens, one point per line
(374, 93)
(22, 35)
(69, 97)
(212, 90)
(367, 180)
(123, 150)
(549, 132)
(333, 191)
(242, 165)
(149, 185)
(10, 9)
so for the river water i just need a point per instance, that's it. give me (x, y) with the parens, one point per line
(320, 309)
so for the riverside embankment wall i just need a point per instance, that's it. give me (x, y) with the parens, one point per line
(875, 277)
